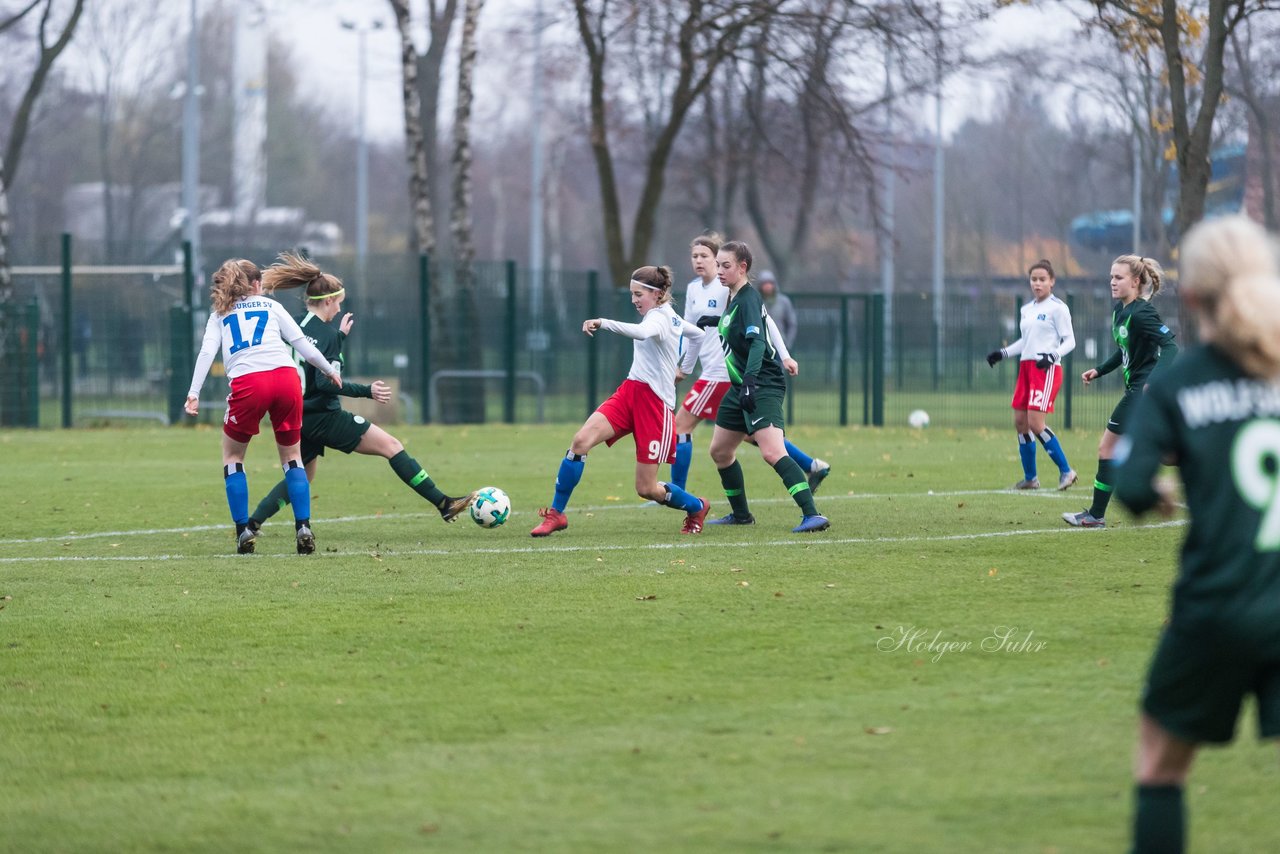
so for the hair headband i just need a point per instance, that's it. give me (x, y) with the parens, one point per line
(650, 287)
(339, 292)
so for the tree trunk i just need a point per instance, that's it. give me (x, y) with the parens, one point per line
(430, 65)
(468, 406)
(415, 149)
(1193, 140)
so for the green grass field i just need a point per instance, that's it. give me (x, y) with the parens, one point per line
(949, 668)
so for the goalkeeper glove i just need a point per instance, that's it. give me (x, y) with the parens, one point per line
(994, 356)
(707, 321)
(1046, 359)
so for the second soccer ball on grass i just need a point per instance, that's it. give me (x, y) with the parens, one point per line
(918, 419)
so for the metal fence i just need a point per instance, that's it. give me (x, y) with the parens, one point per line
(88, 345)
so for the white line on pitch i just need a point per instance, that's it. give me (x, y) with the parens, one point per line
(631, 504)
(806, 540)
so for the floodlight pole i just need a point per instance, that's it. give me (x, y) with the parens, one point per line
(191, 142)
(1137, 192)
(888, 204)
(939, 162)
(362, 145)
(537, 340)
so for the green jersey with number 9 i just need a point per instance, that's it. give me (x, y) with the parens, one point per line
(1221, 428)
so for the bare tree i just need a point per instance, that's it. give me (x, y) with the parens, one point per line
(439, 24)
(1249, 88)
(415, 143)
(119, 43)
(704, 36)
(49, 51)
(466, 327)
(1196, 84)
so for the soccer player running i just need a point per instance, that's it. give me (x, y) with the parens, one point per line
(325, 424)
(1047, 337)
(753, 406)
(707, 297)
(1144, 348)
(1216, 415)
(252, 330)
(641, 406)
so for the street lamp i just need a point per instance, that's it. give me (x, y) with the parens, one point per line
(362, 146)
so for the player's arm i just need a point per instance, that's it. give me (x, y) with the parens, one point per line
(1066, 333)
(776, 337)
(204, 361)
(752, 316)
(649, 327)
(691, 332)
(1109, 365)
(1156, 329)
(1141, 451)
(688, 355)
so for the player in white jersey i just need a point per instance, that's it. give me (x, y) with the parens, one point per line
(252, 331)
(1047, 337)
(707, 297)
(641, 406)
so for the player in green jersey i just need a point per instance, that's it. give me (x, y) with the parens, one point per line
(753, 405)
(325, 424)
(1216, 415)
(1144, 347)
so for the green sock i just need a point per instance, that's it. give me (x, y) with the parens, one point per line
(275, 501)
(408, 470)
(735, 489)
(797, 484)
(1102, 485)
(1159, 821)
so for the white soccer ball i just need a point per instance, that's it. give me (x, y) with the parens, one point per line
(918, 419)
(491, 507)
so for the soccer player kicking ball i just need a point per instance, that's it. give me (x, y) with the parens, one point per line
(641, 406)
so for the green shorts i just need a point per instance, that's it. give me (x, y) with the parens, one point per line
(768, 410)
(1120, 416)
(1199, 678)
(337, 429)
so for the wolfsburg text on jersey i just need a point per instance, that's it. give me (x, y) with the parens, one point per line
(1228, 400)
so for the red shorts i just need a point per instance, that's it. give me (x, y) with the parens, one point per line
(1036, 388)
(703, 400)
(278, 392)
(634, 408)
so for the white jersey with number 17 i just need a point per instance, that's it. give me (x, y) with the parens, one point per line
(254, 335)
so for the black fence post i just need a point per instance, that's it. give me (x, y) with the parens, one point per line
(32, 360)
(64, 347)
(866, 359)
(424, 333)
(509, 392)
(179, 354)
(182, 338)
(844, 360)
(593, 350)
(877, 359)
